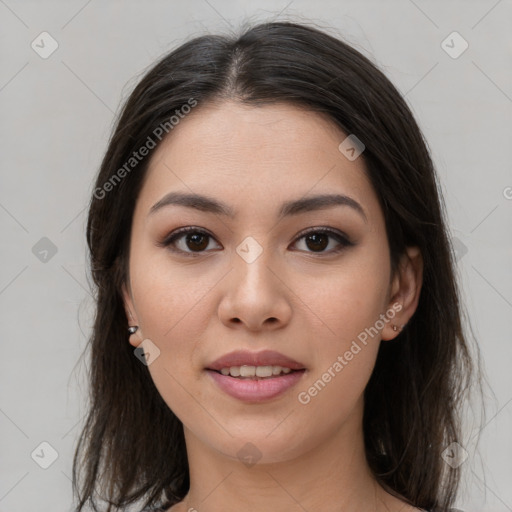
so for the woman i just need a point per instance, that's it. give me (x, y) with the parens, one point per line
(278, 324)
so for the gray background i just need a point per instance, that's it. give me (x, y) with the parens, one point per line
(56, 117)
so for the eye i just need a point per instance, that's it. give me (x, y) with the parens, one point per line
(194, 241)
(317, 240)
(190, 237)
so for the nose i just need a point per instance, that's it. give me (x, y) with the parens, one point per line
(255, 296)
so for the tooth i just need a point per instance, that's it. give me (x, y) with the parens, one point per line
(276, 370)
(247, 371)
(254, 371)
(264, 371)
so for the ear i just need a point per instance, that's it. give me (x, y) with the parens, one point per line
(405, 291)
(134, 339)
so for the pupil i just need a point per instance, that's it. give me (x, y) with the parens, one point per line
(196, 240)
(320, 241)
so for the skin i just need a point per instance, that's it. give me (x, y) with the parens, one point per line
(305, 302)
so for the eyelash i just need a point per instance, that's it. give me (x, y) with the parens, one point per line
(179, 233)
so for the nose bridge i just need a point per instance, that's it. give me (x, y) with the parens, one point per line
(252, 261)
(254, 295)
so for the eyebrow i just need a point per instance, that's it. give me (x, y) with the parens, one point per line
(295, 207)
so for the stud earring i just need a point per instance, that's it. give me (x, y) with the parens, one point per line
(396, 328)
(132, 329)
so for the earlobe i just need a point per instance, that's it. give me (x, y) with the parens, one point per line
(405, 290)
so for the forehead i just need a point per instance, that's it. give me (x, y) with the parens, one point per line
(264, 154)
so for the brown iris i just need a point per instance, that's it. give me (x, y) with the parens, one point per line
(197, 241)
(319, 241)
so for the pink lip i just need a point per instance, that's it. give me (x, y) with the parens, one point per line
(253, 390)
(263, 358)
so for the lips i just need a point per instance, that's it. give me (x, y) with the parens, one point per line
(259, 388)
(247, 358)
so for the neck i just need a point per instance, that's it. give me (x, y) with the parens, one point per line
(332, 476)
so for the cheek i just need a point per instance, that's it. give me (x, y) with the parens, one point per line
(168, 321)
(349, 302)
(168, 299)
(173, 313)
(348, 297)
(349, 309)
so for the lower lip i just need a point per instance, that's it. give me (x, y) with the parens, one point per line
(261, 390)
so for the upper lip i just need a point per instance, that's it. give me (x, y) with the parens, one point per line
(263, 358)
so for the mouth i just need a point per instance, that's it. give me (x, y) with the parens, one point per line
(248, 372)
(261, 361)
(255, 377)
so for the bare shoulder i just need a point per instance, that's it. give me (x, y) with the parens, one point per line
(178, 507)
(394, 504)
(404, 507)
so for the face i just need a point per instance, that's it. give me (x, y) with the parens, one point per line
(310, 281)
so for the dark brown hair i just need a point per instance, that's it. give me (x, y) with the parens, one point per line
(132, 446)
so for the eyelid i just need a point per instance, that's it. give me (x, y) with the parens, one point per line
(325, 229)
(342, 239)
(180, 232)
